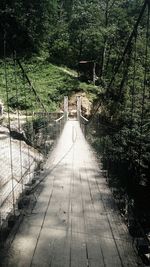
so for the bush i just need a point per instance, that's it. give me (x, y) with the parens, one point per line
(21, 104)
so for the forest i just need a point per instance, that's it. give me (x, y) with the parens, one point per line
(65, 32)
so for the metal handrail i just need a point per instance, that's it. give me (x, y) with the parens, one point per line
(59, 119)
(86, 120)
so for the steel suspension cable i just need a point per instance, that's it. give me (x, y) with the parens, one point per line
(128, 45)
(30, 84)
(27, 126)
(37, 146)
(18, 119)
(131, 124)
(9, 125)
(133, 82)
(144, 88)
(145, 68)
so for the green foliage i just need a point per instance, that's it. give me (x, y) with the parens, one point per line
(51, 82)
(81, 35)
(121, 132)
(15, 103)
(24, 24)
(34, 125)
(59, 43)
(36, 130)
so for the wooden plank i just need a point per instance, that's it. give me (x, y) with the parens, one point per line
(95, 254)
(52, 249)
(75, 222)
(78, 250)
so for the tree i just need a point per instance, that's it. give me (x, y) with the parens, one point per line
(25, 24)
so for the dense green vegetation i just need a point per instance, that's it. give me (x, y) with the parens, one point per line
(52, 83)
(99, 30)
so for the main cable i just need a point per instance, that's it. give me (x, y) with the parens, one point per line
(9, 126)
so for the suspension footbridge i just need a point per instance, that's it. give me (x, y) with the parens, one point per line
(75, 221)
(56, 206)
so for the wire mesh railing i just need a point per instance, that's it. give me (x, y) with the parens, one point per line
(119, 131)
(83, 124)
(59, 125)
(27, 134)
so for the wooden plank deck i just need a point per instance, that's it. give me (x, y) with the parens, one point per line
(75, 222)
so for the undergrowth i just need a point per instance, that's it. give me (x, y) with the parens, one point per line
(51, 82)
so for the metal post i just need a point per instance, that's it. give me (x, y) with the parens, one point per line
(66, 108)
(94, 73)
(78, 107)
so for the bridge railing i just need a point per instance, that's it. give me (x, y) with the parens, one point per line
(60, 122)
(120, 132)
(82, 120)
(83, 124)
(26, 137)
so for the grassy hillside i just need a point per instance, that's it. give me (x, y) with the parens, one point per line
(51, 82)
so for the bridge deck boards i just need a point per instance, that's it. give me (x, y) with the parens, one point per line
(75, 222)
